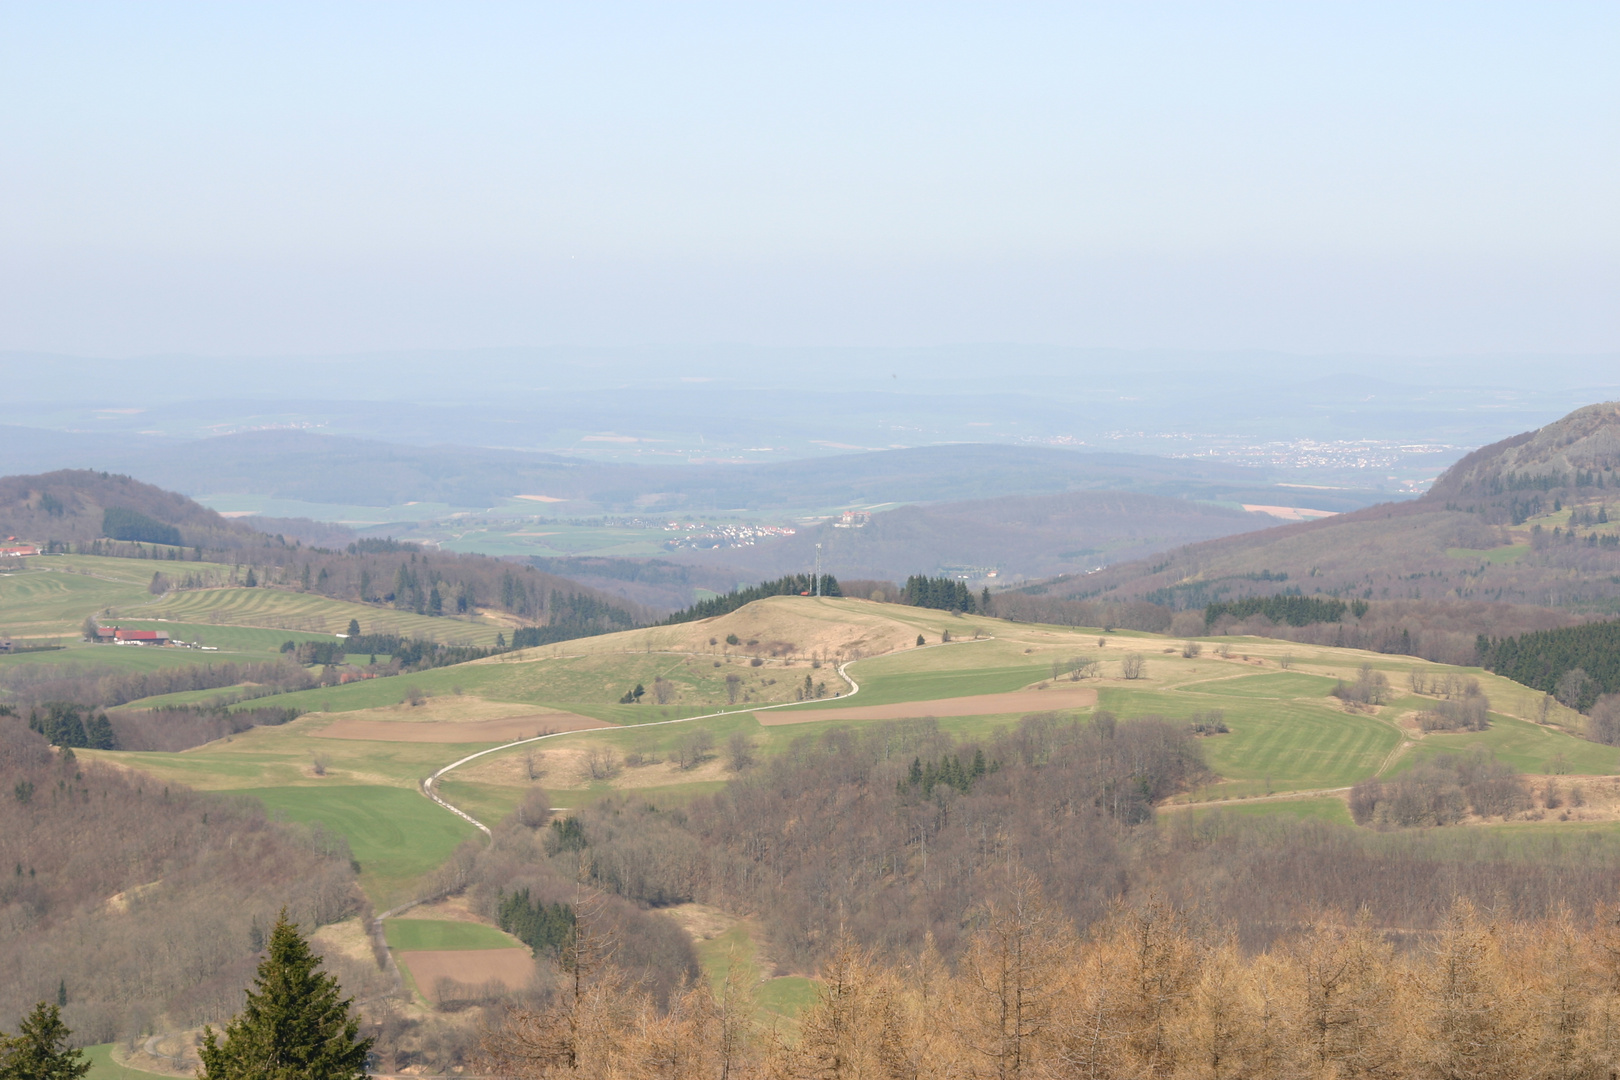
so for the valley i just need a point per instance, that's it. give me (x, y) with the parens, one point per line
(494, 745)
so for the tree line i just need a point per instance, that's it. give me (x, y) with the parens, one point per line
(790, 585)
(1545, 659)
(941, 593)
(1293, 610)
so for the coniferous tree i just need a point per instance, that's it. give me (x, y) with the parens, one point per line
(39, 1050)
(294, 1025)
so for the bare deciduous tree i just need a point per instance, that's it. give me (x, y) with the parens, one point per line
(601, 762)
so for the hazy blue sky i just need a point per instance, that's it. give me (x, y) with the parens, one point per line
(241, 178)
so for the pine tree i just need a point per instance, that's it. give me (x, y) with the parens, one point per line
(354, 628)
(293, 1027)
(39, 1050)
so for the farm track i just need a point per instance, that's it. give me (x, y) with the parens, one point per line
(427, 785)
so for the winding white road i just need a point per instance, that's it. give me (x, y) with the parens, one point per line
(843, 673)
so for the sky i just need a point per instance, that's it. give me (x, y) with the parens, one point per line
(297, 179)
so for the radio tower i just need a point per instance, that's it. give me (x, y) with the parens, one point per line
(816, 588)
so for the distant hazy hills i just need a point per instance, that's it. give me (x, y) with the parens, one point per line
(1019, 536)
(349, 471)
(1520, 521)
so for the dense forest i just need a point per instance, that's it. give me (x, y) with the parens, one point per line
(1291, 609)
(941, 593)
(1577, 663)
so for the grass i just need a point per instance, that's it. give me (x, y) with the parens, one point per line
(103, 1067)
(280, 610)
(1501, 556)
(119, 657)
(416, 935)
(397, 836)
(51, 597)
(1276, 743)
(1283, 684)
(783, 996)
(1527, 747)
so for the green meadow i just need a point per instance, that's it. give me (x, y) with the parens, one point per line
(395, 835)
(415, 935)
(103, 1067)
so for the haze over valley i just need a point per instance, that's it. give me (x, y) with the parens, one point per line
(713, 542)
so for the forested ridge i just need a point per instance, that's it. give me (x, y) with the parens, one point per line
(83, 512)
(129, 899)
(1463, 540)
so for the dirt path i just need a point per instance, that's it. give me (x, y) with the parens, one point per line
(427, 785)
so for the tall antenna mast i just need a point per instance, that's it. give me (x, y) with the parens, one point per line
(816, 588)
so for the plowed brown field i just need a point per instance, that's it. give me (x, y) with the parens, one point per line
(513, 967)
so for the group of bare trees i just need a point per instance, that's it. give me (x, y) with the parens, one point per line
(1441, 791)
(1150, 991)
(129, 900)
(831, 837)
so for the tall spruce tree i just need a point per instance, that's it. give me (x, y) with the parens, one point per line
(39, 1050)
(294, 1025)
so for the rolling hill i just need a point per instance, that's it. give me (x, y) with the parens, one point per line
(345, 471)
(1522, 521)
(202, 565)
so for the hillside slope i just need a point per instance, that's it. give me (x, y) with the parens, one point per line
(69, 506)
(101, 514)
(1527, 520)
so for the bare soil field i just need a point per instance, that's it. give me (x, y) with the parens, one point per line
(473, 967)
(507, 729)
(1066, 697)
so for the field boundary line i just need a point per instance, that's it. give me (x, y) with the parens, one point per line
(427, 785)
